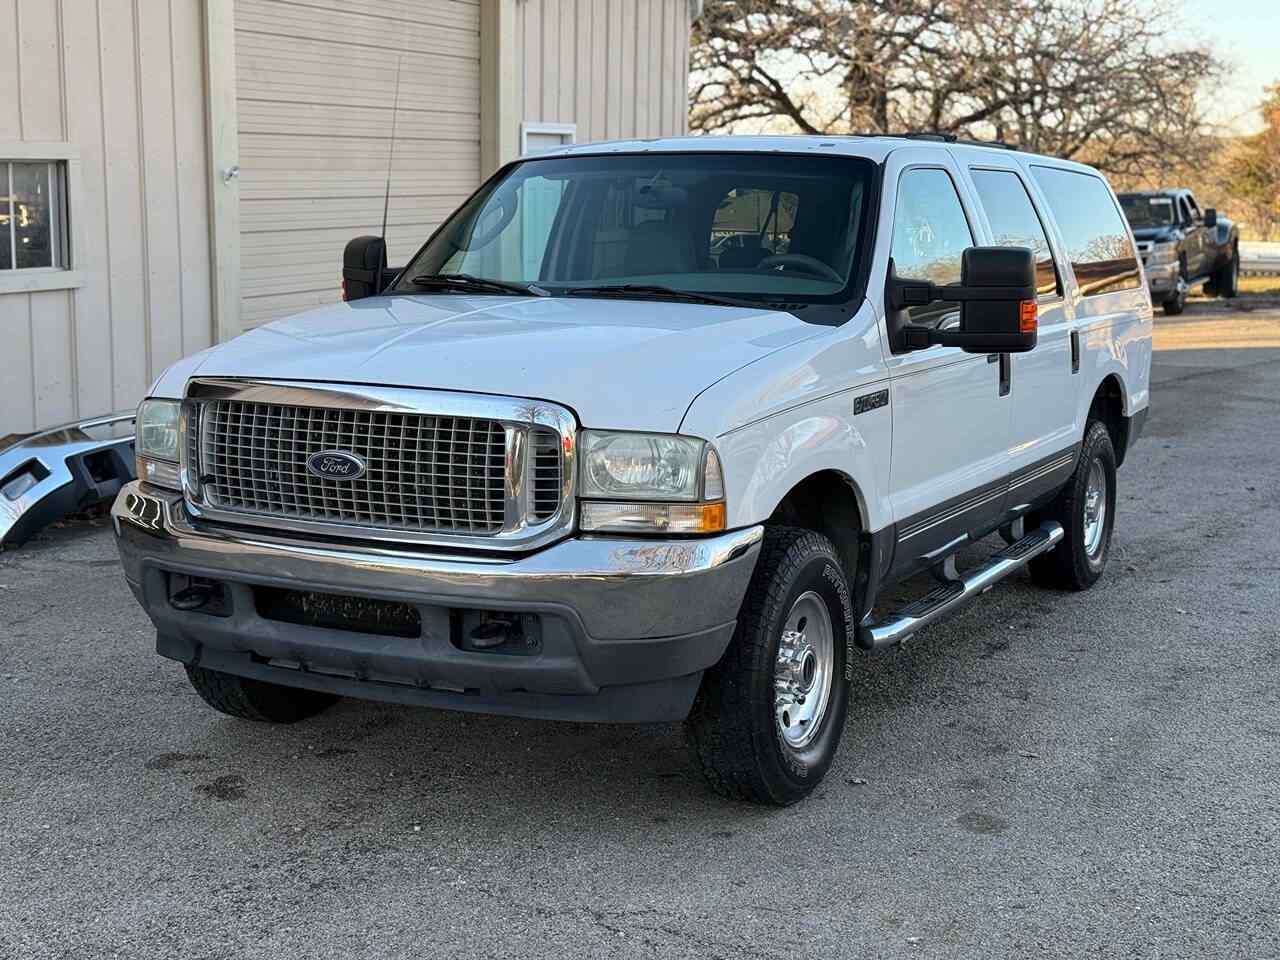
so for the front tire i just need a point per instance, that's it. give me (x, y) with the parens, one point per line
(248, 699)
(1086, 508)
(769, 716)
(1178, 302)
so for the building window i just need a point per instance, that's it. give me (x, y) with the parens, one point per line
(33, 222)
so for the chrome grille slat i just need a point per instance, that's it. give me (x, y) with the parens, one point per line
(547, 475)
(425, 472)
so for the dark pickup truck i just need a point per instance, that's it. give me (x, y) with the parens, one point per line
(1182, 246)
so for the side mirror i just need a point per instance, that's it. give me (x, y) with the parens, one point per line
(997, 297)
(1210, 217)
(364, 266)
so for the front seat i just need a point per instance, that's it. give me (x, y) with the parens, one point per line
(657, 246)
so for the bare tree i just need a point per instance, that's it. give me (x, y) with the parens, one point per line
(1097, 80)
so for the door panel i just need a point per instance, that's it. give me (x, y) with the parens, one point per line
(950, 432)
(950, 423)
(1041, 386)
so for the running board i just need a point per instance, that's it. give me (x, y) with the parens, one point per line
(950, 596)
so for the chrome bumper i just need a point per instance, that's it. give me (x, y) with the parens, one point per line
(1162, 278)
(626, 612)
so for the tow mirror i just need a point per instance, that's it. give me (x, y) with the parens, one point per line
(364, 268)
(1210, 217)
(997, 297)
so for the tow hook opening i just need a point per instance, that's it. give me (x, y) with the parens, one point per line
(494, 631)
(198, 595)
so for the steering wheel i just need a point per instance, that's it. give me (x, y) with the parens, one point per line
(802, 262)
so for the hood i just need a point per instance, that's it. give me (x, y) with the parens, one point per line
(620, 364)
(1155, 234)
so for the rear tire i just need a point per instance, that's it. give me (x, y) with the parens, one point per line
(1226, 281)
(1086, 508)
(248, 699)
(756, 730)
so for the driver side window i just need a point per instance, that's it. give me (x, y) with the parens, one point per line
(930, 232)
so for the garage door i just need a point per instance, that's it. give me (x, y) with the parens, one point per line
(315, 86)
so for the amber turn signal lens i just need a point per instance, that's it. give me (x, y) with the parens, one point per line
(602, 516)
(1027, 314)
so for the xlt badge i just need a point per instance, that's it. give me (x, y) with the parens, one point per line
(871, 401)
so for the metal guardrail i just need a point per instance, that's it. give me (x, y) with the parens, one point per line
(1260, 259)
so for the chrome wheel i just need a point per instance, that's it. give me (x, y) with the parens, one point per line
(804, 671)
(1095, 509)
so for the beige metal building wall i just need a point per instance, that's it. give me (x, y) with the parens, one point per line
(613, 68)
(315, 84)
(113, 91)
(315, 87)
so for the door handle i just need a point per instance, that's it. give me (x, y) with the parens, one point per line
(1075, 351)
(992, 357)
(1006, 374)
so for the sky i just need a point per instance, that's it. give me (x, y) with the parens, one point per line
(1245, 34)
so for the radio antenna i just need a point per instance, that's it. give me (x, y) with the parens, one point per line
(391, 153)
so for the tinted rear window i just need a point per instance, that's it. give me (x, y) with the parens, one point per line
(1097, 243)
(1014, 222)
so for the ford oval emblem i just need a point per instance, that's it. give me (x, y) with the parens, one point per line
(336, 465)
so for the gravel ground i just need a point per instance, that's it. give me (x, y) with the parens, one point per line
(1056, 775)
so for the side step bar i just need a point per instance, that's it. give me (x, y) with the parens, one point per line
(949, 597)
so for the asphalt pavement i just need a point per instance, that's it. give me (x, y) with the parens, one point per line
(1058, 775)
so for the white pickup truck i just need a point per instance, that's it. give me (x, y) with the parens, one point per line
(641, 434)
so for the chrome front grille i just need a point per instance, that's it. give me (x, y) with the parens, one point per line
(432, 471)
(423, 472)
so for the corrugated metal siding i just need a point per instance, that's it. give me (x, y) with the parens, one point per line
(616, 68)
(122, 81)
(316, 83)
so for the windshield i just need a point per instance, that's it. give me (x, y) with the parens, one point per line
(1148, 211)
(748, 227)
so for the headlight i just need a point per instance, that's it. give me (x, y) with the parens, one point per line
(156, 443)
(647, 483)
(1162, 253)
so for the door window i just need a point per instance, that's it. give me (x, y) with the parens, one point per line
(1097, 244)
(930, 232)
(1014, 222)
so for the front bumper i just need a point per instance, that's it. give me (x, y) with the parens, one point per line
(1163, 279)
(627, 626)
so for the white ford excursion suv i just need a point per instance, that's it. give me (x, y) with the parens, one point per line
(641, 434)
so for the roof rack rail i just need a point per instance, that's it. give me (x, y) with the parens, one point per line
(939, 136)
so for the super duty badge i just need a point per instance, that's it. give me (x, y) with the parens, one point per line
(871, 401)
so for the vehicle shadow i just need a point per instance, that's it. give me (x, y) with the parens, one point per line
(394, 768)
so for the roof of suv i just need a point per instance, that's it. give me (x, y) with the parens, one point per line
(870, 146)
(1166, 192)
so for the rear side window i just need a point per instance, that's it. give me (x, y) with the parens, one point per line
(1014, 222)
(930, 232)
(1098, 246)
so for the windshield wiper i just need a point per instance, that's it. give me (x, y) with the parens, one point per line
(655, 291)
(465, 281)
